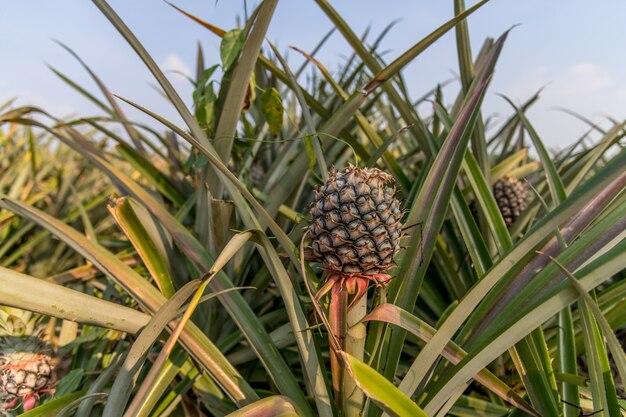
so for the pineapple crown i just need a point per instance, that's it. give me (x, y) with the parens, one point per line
(353, 175)
(20, 323)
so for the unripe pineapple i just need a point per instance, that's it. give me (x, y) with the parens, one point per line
(511, 195)
(355, 235)
(356, 222)
(25, 368)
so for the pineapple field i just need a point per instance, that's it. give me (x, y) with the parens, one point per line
(306, 243)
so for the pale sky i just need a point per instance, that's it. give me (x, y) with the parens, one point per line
(575, 48)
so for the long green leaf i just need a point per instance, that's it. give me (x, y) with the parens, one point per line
(310, 127)
(233, 246)
(117, 111)
(416, 49)
(82, 91)
(536, 376)
(380, 390)
(152, 174)
(600, 379)
(229, 116)
(28, 293)
(127, 219)
(614, 345)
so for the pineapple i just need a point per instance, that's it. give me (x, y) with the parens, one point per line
(511, 195)
(25, 367)
(356, 227)
(355, 234)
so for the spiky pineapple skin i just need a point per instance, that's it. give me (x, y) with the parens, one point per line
(356, 225)
(511, 195)
(24, 373)
(25, 365)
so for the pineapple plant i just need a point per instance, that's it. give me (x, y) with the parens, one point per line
(433, 328)
(25, 364)
(355, 234)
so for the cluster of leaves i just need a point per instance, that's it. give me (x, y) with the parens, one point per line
(511, 309)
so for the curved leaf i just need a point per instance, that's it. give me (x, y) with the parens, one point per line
(380, 390)
(275, 406)
(33, 294)
(127, 219)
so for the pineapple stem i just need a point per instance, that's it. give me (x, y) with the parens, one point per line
(354, 345)
(348, 335)
(337, 314)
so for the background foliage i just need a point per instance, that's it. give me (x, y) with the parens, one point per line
(138, 221)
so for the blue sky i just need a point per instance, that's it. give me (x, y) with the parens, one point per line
(572, 47)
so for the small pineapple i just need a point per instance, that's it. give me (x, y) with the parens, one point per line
(25, 368)
(356, 226)
(511, 195)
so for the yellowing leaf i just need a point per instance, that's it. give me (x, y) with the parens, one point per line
(273, 109)
(380, 390)
(231, 46)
